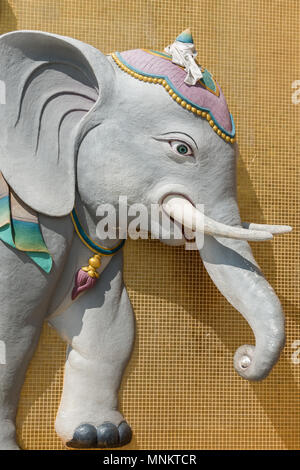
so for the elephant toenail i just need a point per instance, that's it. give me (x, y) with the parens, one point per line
(107, 435)
(85, 435)
(125, 433)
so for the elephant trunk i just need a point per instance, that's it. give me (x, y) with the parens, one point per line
(231, 266)
(229, 261)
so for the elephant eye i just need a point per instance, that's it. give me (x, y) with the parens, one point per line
(181, 148)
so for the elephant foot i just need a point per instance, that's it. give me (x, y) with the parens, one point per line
(106, 435)
(9, 445)
(8, 435)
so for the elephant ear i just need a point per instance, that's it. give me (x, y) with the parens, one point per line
(52, 84)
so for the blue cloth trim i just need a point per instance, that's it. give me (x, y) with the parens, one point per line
(230, 134)
(42, 259)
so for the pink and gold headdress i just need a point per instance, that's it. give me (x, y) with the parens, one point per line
(188, 83)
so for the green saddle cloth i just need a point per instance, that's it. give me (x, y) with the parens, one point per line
(19, 227)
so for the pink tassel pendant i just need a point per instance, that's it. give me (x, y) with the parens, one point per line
(86, 277)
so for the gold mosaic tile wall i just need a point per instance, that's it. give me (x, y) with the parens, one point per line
(180, 389)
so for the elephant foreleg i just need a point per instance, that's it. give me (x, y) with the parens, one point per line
(23, 303)
(99, 327)
(20, 343)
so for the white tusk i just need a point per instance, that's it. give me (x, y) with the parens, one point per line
(183, 211)
(274, 229)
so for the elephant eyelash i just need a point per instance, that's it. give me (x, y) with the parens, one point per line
(178, 147)
(181, 148)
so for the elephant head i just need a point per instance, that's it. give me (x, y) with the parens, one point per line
(131, 124)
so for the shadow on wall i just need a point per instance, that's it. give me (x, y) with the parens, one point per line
(281, 385)
(8, 21)
(280, 391)
(247, 199)
(200, 306)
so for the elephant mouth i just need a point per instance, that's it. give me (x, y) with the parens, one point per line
(182, 210)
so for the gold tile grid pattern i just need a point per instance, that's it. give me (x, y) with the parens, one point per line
(180, 389)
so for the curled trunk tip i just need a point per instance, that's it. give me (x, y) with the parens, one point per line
(255, 365)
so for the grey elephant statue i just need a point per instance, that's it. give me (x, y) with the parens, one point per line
(79, 129)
